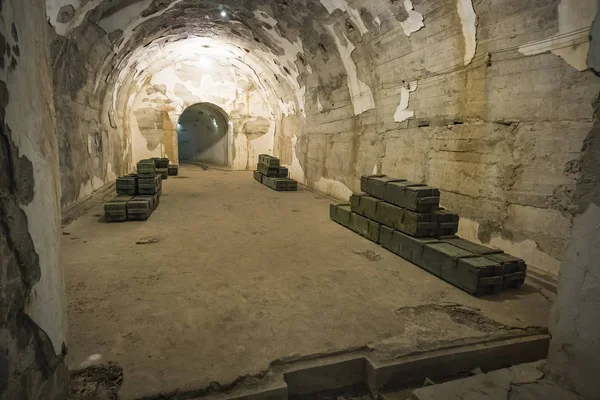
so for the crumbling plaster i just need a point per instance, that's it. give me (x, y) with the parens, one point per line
(32, 299)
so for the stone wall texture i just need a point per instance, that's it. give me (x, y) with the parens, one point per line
(32, 313)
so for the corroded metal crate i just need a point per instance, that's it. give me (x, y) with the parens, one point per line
(116, 209)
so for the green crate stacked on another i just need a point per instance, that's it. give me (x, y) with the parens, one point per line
(127, 185)
(146, 168)
(149, 186)
(270, 173)
(410, 223)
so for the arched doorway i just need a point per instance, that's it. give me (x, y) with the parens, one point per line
(202, 134)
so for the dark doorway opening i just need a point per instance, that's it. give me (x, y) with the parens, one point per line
(202, 135)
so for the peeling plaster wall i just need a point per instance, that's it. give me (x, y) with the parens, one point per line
(32, 303)
(444, 92)
(459, 106)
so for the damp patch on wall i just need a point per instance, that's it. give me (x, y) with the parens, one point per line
(360, 93)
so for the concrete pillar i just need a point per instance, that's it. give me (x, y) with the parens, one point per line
(575, 326)
(32, 307)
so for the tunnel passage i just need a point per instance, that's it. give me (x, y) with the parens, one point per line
(202, 134)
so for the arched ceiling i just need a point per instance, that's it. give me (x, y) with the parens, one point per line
(266, 40)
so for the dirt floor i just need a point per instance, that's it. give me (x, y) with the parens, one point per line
(235, 276)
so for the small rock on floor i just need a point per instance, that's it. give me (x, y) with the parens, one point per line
(148, 240)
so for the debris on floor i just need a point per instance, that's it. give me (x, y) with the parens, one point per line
(370, 255)
(138, 195)
(148, 240)
(406, 218)
(270, 173)
(100, 382)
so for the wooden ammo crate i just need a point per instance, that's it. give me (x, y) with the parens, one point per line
(343, 215)
(283, 172)
(268, 161)
(409, 222)
(280, 184)
(408, 247)
(140, 208)
(515, 269)
(116, 209)
(272, 172)
(163, 172)
(173, 170)
(149, 186)
(146, 168)
(468, 271)
(127, 185)
(375, 185)
(412, 196)
(258, 176)
(162, 163)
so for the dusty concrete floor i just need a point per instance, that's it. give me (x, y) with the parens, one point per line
(243, 276)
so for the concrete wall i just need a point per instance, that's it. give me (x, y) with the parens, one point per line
(575, 326)
(202, 135)
(481, 99)
(32, 307)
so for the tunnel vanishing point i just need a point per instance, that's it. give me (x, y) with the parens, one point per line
(495, 102)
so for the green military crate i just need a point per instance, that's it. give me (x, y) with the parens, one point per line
(280, 184)
(412, 196)
(364, 205)
(409, 222)
(515, 269)
(149, 186)
(447, 222)
(442, 258)
(268, 161)
(258, 176)
(141, 207)
(476, 275)
(146, 168)
(283, 172)
(127, 185)
(155, 159)
(267, 171)
(292, 185)
(365, 227)
(376, 185)
(163, 172)
(340, 213)
(364, 181)
(409, 247)
(173, 170)
(472, 247)
(116, 209)
(162, 163)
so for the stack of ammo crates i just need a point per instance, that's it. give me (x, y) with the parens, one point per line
(138, 195)
(162, 167)
(406, 218)
(270, 173)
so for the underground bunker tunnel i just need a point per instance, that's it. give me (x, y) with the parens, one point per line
(267, 199)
